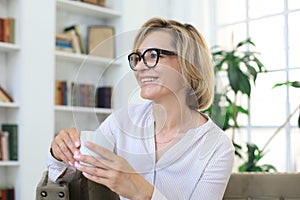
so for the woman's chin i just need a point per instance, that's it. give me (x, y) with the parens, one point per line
(148, 93)
(148, 96)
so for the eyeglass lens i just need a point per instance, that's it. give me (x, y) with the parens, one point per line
(150, 58)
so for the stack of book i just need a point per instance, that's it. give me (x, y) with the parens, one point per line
(74, 94)
(7, 30)
(9, 142)
(70, 40)
(7, 193)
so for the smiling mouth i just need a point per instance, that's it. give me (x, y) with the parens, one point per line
(147, 80)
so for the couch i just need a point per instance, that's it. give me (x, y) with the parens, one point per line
(263, 186)
(241, 186)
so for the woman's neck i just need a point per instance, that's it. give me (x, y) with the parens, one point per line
(174, 115)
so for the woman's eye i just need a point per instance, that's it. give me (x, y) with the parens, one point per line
(153, 55)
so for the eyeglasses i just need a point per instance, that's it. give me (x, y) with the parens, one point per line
(150, 57)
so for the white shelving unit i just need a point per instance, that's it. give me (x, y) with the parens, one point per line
(83, 109)
(9, 163)
(9, 105)
(9, 80)
(80, 58)
(80, 68)
(7, 47)
(28, 70)
(87, 9)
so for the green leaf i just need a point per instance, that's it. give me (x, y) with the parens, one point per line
(261, 67)
(243, 167)
(242, 43)
(295, 84)
(252, 71)
(268, 168)
(243, 110)
(299, 120)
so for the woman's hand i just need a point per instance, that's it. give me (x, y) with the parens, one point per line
(65, 144)
(114, 172)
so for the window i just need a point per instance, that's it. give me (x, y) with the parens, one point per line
(273, 27)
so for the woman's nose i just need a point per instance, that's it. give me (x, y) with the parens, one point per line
(141, 66)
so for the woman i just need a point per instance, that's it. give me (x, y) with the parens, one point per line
(165, 148)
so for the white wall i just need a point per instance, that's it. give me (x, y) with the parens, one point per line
(36, 91)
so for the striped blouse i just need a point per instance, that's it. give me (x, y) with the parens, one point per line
(197, 167)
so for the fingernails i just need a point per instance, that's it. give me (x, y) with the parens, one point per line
(77, 165)
(77, 144)
(85, 174)
(70, 163)
(76, 155)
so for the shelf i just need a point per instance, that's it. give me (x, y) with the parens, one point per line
(9, 163)
(80, 58)
(8, 47)
(9, 105)
(83, 109)
(87, 9)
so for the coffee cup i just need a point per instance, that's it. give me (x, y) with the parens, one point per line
(106, 141)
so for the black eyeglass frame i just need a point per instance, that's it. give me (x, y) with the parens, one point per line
(141, 56)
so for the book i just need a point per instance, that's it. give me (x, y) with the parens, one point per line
(101, 41)
(101, 3)
(7, 193)
(74, 39)
(12, 130)
(95, 2)
(91, 1)
(64, 42)
(59, 93)
(74, 94)
(4, 151)
(1, 150)
(79, 35)
(103, 97)
(7, 30)
(4, 96)
(11, 37)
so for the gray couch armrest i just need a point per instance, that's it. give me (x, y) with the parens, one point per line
(46, 189)
(76, 190)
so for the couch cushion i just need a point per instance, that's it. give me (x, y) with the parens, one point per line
(263, 186)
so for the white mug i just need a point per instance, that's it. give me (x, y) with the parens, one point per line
(107, 141)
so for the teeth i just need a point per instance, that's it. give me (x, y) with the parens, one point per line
(147, 80)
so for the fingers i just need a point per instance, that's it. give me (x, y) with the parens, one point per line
(75, 139)
(91, 160)
(65, 144)
(105, 153)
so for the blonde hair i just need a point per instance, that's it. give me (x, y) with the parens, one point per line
(194, 58)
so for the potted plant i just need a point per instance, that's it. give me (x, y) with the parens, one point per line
(240, 67)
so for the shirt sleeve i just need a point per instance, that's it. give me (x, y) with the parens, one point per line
(57, 168)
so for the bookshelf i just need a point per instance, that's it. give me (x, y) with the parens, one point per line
(28, 70)
(82, 68)
(81, 58)
(10, 54)
(9, 105)
(83, 109)
(7, 47)
(87, 9)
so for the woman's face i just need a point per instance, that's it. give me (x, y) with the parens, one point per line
(165, 79)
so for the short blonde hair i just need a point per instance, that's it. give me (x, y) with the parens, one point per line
(194, 58)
